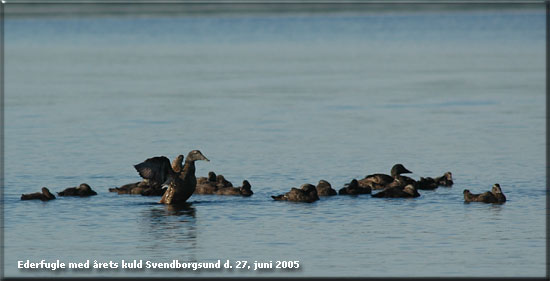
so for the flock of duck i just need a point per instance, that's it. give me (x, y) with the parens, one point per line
(176, 182)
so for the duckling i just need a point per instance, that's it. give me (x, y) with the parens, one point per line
(45, 195)
(445, 180)
(83, 190)
(244, 190)
(221, 182)
(493, 196)
(381, 181)
(409, 191)
(307, 193)
(211, 178)
(427, 183)
(353, 188)
(325, 189)
(180, 186)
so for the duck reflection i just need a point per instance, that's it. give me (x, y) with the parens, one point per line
(169, 230)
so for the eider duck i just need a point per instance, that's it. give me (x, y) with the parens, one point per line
(211, 178)
(380, 181)
(45, 195)
(83, 190)
(409, 191)
(445, 180)
(180, 185)
(221, 182)
(353, 188)
(325, 189)
(427, 183)
(307, 193)
(493, 196)
(244, 190)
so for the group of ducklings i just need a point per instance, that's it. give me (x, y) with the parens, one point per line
(392, 186)
(83, 190)
(177, 182)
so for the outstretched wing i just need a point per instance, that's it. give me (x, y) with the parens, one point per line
(156, 169)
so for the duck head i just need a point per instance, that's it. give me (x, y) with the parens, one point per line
(246, 186)
(398, 169)
(195, 155)
(47, 193)
(353, 184)
(84, 187)
(324, 183)
(496, 189)
(211, 176)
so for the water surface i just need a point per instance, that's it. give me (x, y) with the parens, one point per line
(280, 99)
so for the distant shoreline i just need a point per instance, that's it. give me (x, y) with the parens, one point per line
(44, 9)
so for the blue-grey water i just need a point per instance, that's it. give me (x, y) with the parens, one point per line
(280, 99)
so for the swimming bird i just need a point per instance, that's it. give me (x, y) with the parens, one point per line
(353, 188)
(180, 186)
(409, 191)
(211, 178)
(325, 189)
(493, 196)
(307, 193)
(221, 182)
(427, 183)
(244, 190)
(45, 195)
(206, 185)
(380, 181)
(445, 180)
(83, 190)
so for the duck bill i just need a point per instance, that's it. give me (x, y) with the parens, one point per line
(406, 171)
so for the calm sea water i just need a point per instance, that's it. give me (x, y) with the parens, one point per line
(280, 99)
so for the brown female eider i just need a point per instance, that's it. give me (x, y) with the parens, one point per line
(307, 193)
(445, 180)
(353, 188)
(83, 190)
(380, 181)
(45, 195)
(325, 189)
(244, 190)
(206, 185)
(409, 191)
(180, 185)
(493, 196)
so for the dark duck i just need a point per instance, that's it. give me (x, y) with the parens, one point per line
(493, 196)
(325, 189)
(180, 186)
(206, 185)
(45, 195)
(244, 190)
(83, 190)
(307, 193)
(381, 181)
(445, 180)
(409, 191)
(353, 188)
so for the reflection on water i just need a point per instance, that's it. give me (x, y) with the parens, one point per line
(170, 227)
